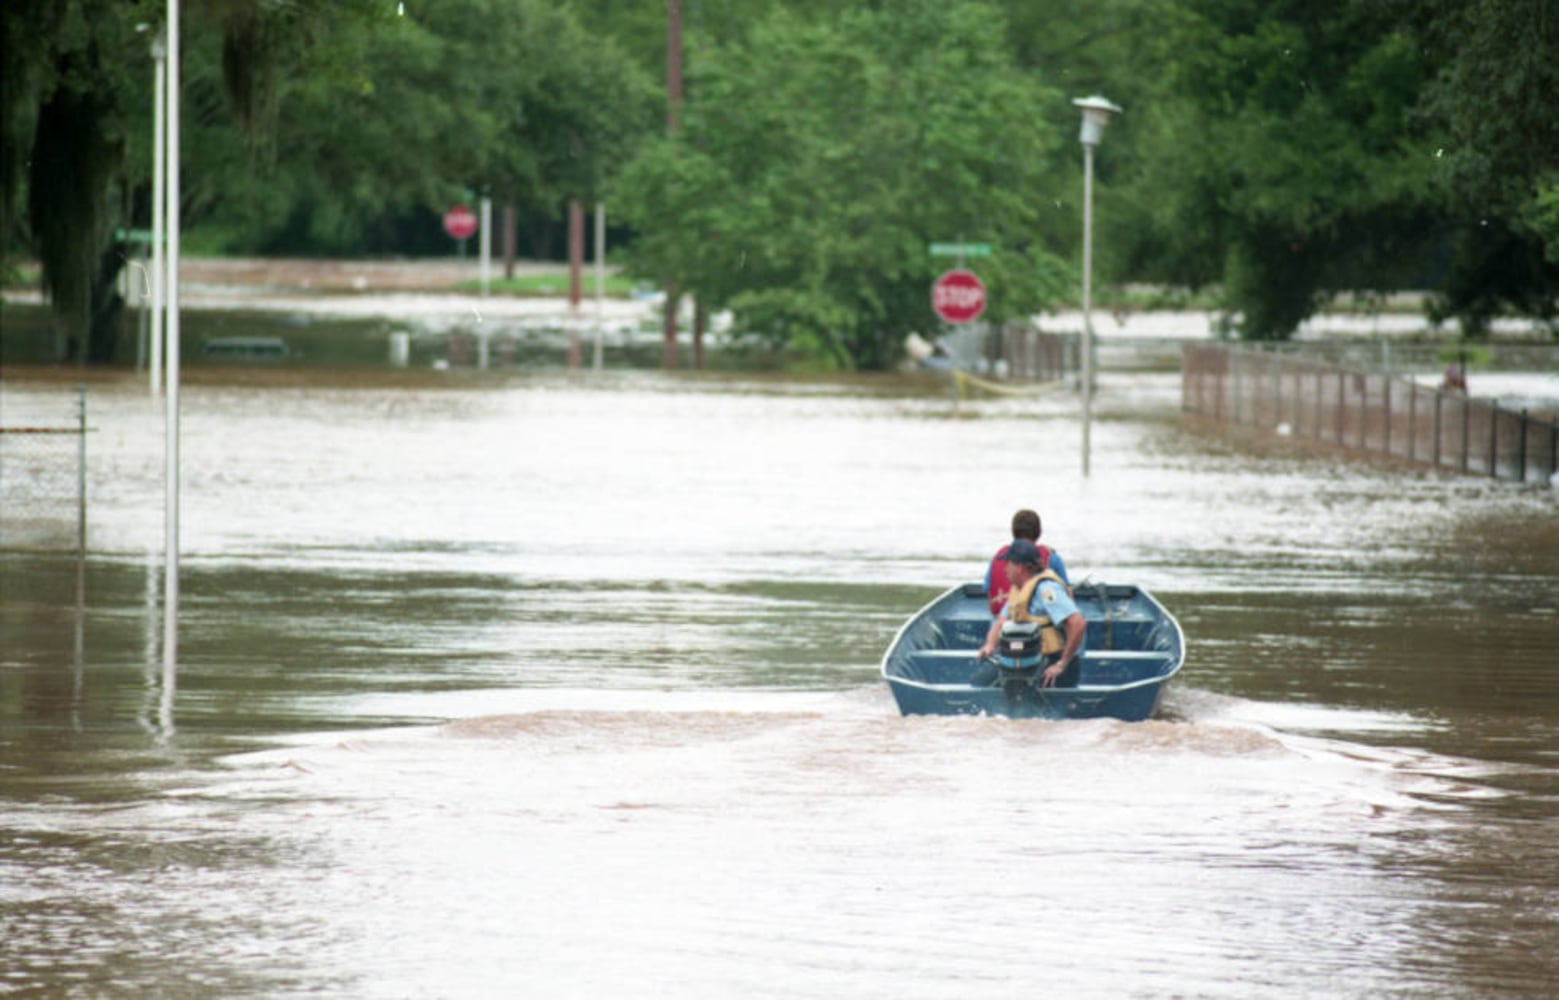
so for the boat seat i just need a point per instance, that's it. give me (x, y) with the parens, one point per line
(964, 630)
(941, 666)
(1133, 633)
(1122, 666)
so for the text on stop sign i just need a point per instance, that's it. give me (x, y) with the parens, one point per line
(957, 297)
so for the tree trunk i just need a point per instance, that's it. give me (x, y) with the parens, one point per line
(106, 321)
(668, 350)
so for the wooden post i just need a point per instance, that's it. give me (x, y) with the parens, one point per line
(700, 317)
(576, 265)
(1342, 396)
(1521, 449)
(1439, 398)
(1466, 430)
(1412, 421)
(1320, 391)
(1364, 420)
(1277, 385)
(510, 225)
(1494, 412)
(1233, 378)
(1385, 403)
(1553, 447)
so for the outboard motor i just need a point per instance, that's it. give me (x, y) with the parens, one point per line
(1018, 658)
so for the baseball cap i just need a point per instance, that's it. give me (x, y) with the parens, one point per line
(1023, 551)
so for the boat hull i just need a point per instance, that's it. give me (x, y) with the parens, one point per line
(1134, 647)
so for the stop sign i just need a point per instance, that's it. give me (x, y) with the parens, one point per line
(460, 222)
(958, 296)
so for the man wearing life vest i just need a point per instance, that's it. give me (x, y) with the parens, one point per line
(1040, 595)
(1025, 524)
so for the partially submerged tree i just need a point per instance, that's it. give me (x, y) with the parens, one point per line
(70, 68)
(309, 122)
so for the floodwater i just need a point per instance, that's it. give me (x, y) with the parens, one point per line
(563, 686)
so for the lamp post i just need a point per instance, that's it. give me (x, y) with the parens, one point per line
(170, 602)
(1096, 115)
(159, 195)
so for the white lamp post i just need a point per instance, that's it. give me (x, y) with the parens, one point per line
(159, 194)
(170, 604)
(1096, 115)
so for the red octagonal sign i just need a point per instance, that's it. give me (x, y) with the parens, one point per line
(460, 222)
(958, 296)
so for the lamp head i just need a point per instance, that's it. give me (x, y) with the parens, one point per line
(1097, 113)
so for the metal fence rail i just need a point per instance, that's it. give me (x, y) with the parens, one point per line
(1384, 414)
(43, 476)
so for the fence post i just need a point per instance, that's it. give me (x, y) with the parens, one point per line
(1439, 397)
(1342, 393)
(1553, 448)
(1493, 441)
(1277, 388)
(1222, 383)
(1412, 421)
(1521, 449)
(1466, 430)
(1320, 391)
(1364, 419)
(1235, 392)
(1385, 403)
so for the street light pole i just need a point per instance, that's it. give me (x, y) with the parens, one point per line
(159, 153)
(1087, 365)
(1096, 115)
(170, 608)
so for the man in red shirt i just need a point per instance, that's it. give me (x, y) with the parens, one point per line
(1025, 524)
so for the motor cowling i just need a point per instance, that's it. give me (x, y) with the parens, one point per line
(1019, 646)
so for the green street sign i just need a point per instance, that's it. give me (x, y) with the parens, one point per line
(960, 249)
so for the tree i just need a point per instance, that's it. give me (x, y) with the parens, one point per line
(507, 97)
(1283, 154)
(819, 157)
(1498, 172)
(307, 125)
(64, 67)
(73, 70)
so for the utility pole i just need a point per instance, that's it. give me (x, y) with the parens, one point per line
(673, 107)
(576, 263)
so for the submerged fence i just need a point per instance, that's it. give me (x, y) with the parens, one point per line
(1384, 414)
(1033, 355)
(43, 474)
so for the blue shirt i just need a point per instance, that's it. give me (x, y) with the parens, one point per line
(1052, 600)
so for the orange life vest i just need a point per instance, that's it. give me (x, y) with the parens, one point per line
(1051, 641)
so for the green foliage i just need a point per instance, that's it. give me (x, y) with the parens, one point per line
(1283, 151)
(1494, 95)
(820, 159)
(1284, 145)
(508, 97)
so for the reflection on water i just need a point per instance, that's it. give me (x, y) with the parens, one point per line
(568, 687)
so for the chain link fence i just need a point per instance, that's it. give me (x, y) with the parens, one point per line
(1384, 414)
(43, 472)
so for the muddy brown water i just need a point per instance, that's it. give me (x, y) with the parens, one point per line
(567, 686)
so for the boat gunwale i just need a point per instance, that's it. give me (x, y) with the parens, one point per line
(958, 588)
